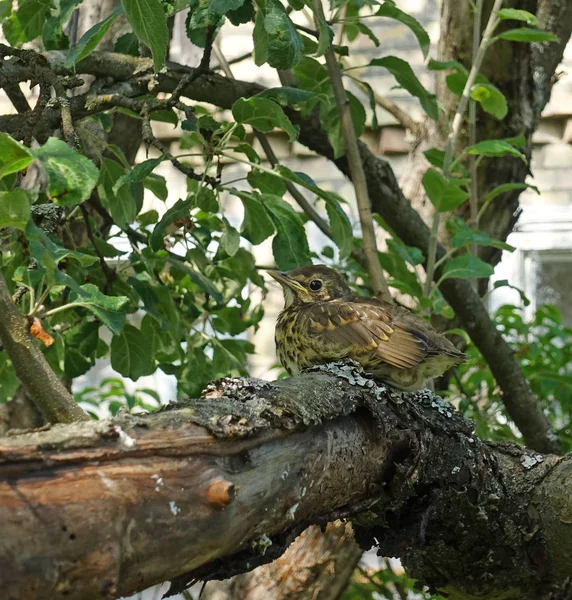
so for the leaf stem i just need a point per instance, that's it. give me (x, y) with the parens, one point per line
(454, 133)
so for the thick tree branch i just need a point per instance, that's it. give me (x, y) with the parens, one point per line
(219, 485)
(40, 382)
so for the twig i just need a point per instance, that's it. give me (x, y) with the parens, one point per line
(454, 133)
(37, 377)
(473, 125)
(375, 272)
(107, 270)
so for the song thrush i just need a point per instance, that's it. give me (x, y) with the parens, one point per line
(323, 321)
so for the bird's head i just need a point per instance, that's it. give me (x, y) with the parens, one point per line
(314, 283)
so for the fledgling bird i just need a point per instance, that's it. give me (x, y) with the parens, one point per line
(323, 321)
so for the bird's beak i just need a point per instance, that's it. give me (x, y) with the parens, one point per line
(285, 281)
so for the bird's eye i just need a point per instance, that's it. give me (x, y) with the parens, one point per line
(315, 285)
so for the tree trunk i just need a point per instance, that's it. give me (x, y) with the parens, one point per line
(217, 486)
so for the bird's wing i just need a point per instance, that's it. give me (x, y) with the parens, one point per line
(366, 328)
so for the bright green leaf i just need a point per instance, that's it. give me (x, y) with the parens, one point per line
(14, 156)
(266, 182)
(462, 236)
(466, 266)
(495, 148)
(491, 99)
(528, 34)
(516, 14)
(110, 310)
(341, 228)
(509, 187)
(149, 22)
(26, 23)
(409, 254)
(138, 173)
(230, 239)
(90, 40)
(257, 224)
(444, 193)
(14, 209)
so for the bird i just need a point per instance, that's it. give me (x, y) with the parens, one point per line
(323, 321)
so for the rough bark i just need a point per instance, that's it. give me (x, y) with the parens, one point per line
(220, 485)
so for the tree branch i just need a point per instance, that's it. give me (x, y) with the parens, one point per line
(376, 277)
(40, 382)
(217, 486)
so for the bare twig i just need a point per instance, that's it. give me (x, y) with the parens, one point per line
(454, 133)
(375, 272)
(39, 380)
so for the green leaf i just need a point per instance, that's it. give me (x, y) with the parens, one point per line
(71, 176)
(276, 40)
(90, 40)
(131, 354)
(264, 115)
(14, 156)
(290, 245)
(257, 224)
(127, 44)
(149, 23)
(138, 173)
(528, 34)
(508, 187)
(196, 277)
(223, 6)
(462, 235)
(157, 185)
(243, 14)
(266, 182)
(444, 194)
(121, 205)
(205, 199)
(389, 9)
(409, 254)
(230, 239)
(325, 35)
(26, 23)
(181, 208)
(491, 99)
(407, 79)
(516, 14)
(81, 346)
(495, 148)
(200, 19)
(331, 122)
(466, 266)
(341, 228)
(14, 209)
(110, 310)
(287, 96)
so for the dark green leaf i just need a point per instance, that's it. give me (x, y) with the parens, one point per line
(462, 235)
(81, 343)
(341, 228)
(407, 79)
(14, 209)
(325, 35)
(290, 245)
(127, 44)
(149, 23)
(71, 176)
(14, 156)
(444, 193)
(205, 199)
(256, 225)
(263, 114)
(287, 96)
(181, 208)
(409, 254)
(230, 239)
(508, 187)
(244, 14)
(90, 40)
(466, 266)
(388, 9)
(109, 309)
(121, 205)
(491, 99)
(138, 173)
(131, 353)
(157, 185)
(266, 182)
(528, 34)
(223, 6)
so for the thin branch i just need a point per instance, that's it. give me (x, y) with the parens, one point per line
(39, 380)
(375, 272)
(473, 125)
(454, 134)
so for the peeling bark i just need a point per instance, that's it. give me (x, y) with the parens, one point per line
(217, 486)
